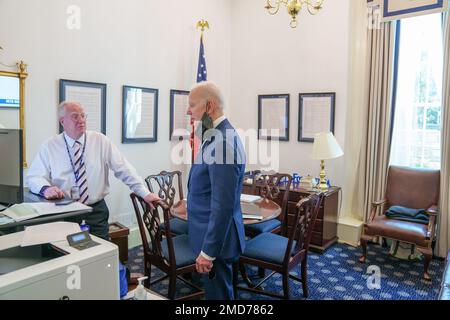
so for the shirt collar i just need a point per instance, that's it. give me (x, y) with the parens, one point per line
(71, 141)
(218, 121)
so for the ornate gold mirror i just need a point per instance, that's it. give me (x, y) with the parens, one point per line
(12, 100)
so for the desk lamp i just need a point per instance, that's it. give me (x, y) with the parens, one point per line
(325, 147)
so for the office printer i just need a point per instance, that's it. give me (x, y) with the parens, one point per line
(57, 270)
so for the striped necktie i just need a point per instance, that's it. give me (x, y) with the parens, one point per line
(80, 172)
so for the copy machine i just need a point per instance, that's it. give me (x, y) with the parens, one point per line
(57, 270)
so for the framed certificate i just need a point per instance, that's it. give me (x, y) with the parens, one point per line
(273, 117)
(316, 114)
(180, 125)
(399, 9)
(139, 115)
(92, 96)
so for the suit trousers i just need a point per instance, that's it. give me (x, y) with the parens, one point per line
(220, 286)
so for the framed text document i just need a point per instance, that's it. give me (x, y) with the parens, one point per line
(139, 115)
(273, 117)
(180, 124)
(399, 9)
(316, 114)
(92, 96)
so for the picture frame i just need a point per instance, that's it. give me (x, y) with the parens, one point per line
(179, 121)
(399, 9)
(92, 96)
(273, 115)
(139, 115)
(316, 114)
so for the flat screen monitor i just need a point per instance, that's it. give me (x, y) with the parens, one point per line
(11, 173)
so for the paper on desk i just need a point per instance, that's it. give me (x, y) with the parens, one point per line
(26, 211)
(49, 232)
(249, 198)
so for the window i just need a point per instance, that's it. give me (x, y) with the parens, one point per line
(416, 139)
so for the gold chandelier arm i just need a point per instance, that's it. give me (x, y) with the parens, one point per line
(273, 10)
(314, 6)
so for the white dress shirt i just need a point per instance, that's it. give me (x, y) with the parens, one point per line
(215, 124)
(52, 166)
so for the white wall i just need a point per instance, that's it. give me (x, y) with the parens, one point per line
(268, 57)
(149, 43)
(154, 43)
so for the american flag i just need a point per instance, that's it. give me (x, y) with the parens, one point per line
(202, 75)
(201, 70)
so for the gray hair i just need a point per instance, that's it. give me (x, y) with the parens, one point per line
(210, 92)
(62, 107)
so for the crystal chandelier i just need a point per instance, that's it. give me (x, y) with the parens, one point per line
(294, 7)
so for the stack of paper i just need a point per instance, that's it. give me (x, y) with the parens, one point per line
(49, 232)
(249, 198)
(26, 211)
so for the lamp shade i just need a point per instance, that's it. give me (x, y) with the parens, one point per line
(326, 147)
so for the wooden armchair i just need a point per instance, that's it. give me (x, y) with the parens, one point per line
(163, 185)
(283, 253)
(172, 255)
(411, 188)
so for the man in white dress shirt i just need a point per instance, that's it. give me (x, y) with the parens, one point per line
(75, 164)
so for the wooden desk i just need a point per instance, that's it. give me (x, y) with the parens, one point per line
(266, 208)
(325, 229)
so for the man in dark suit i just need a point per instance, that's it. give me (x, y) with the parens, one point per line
(216, 228)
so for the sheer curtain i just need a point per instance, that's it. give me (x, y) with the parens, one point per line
(443, 243)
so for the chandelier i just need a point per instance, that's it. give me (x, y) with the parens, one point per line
(294, 7)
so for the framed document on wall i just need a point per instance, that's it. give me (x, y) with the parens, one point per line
(316, 114)
(273, 117)
(180, 125)
(92, 96)
(139, 115)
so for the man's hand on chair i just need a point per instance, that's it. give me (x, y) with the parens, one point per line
(150, 199)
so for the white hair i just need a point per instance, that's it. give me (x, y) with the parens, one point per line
(210, 92)
(62, 107)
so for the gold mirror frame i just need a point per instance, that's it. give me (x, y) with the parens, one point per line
(22, 75)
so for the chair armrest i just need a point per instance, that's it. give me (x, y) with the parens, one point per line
(432, 211)
(379, 203)
(375, 206)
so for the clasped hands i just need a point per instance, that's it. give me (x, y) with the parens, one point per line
(203, 265)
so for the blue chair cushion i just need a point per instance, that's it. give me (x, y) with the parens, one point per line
(183, 252)
(266, 226)
(177, 226)
(268, 247)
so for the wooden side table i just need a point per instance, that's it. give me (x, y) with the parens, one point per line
(119, 236)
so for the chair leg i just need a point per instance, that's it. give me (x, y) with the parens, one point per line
(384, 242)
(235, 279)
(304, 269)
(245, 276)
(261, 272)
(286, 285)
(427, 254)
(148, 274)
(362, 259)
(172, 286)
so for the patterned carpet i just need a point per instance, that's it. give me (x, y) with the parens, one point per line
(337, 275)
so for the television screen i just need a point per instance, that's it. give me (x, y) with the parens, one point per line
(9, 92)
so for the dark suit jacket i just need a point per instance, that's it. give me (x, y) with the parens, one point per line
(214, 188)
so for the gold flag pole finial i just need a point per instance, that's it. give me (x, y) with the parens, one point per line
(203, 24)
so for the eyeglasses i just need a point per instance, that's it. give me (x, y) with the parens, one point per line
(77, 116)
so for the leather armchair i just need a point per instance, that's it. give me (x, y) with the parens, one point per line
(412, 188)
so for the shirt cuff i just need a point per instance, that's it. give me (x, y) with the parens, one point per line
(41, 192)
(204, 255)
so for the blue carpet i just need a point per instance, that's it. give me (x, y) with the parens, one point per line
(337, 275)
